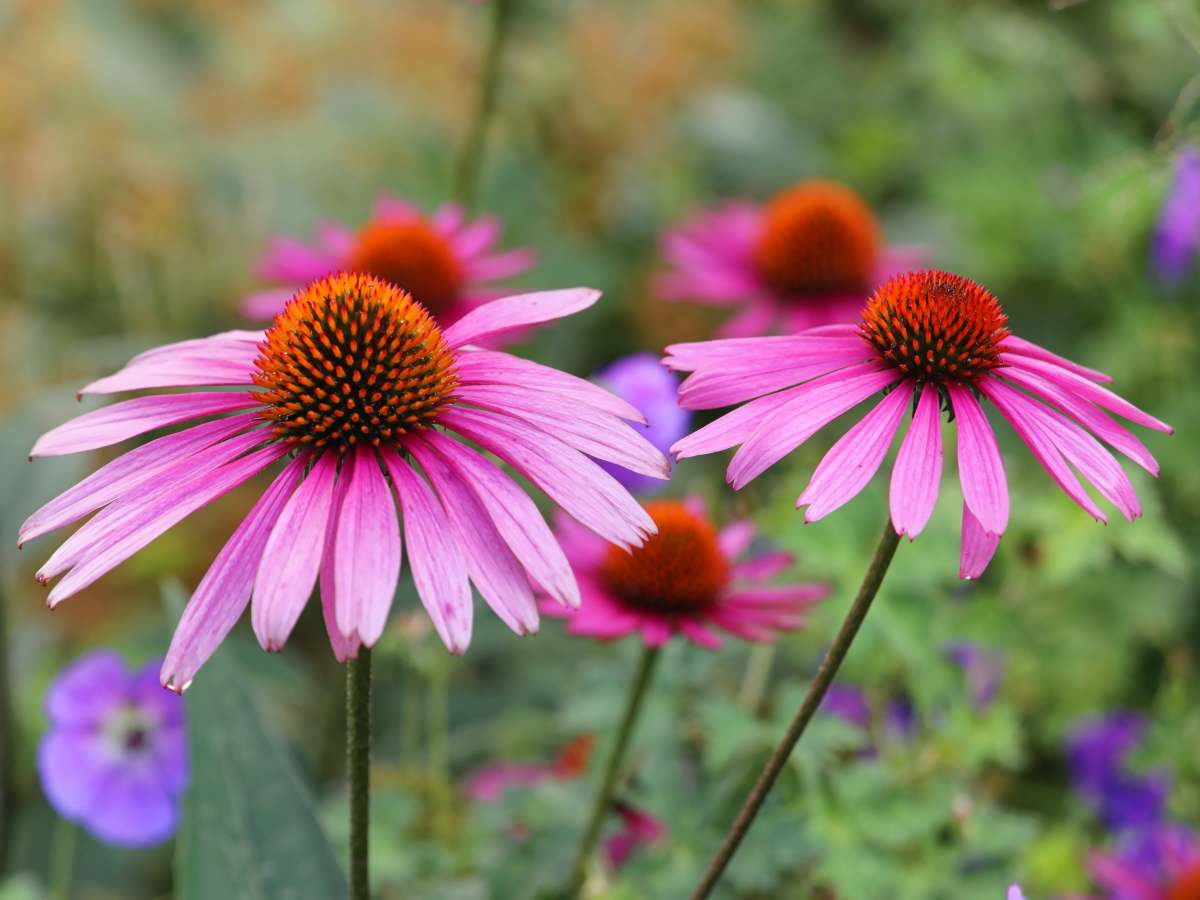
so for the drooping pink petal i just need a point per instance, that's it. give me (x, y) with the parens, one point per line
(129, 418)
(596, 433)
(698, 634)
(978, 546)
(366, 548)
(735, 538)
(448, 218)
(224, 591)
(128, 472)
(476, 237)
(762, 567)
(980, 467)
(499, 265)
(515, 516)
(584, 548)
(263, 305)
(292, 556)
(568, 477)
(600, 616)
(813, 406)
(918, 470)
(343, 647)
(493, 567)
(1022, 347)
(434, 556)
(733, 428)
(291, 261)
(159, 515)
(852, 462)
(517, 312)
(493, 367)
(655, 631)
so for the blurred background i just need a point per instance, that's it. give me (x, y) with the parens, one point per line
(149, 149)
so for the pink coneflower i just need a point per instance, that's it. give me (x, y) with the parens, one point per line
(445, 261)
(810, 256)
(1162, 864)
(687, 579)
(931, 341)
(360, 394)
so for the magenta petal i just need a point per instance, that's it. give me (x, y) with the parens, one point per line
(852, 462)
(760, 568)
(499, 265)
(263, 305)
(294, 262)
(514, 313)
(735, 538)
(1022, 347)
(129, 418)
(733, 428)
(292, 556)
(439, 570)
(220, 362)
(477, 237)
(918, 469)
(224, 591)
(978, 546)
(980, 467)
(366, 548)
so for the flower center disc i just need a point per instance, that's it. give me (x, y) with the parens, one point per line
(818, 238)
(350, 359)
(678, 569)
(410, 255)
(1187, 887)
(934, 326)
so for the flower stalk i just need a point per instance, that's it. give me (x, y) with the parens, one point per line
(612, 769)
(470, 158)
(812, 701)
(358, 768)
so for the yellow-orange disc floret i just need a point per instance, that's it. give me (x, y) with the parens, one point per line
(412, 256)
(679, 568)
(353, 359)
(934, 326)
(818, 238)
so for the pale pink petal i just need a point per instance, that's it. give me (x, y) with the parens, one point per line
(128, 472)
(655, 632)
(752, 320)
(448, 218)
(493, 567)
(292, 556)
(735, 538)
(235, 369)
(521, 311)
(366, 548)
(697, 633)
(343, 647)
(978, 546)
(852, 462)
(499, 265)
(980, 467)
(568, 477)
(813, 406)
(477, 237)
(129, 418)
(732, 428)
(224, 591)
(918, 470)
(388, 208)
(1022, 347)
(515, 516)
(753, 354)
(235, 340)
(760, 568)
(294, 262)
(434, 556)
(264, 305)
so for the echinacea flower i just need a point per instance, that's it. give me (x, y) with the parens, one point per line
(115, 757)
(688, 578)
(360, 394)
(444, 260)
(929, 340)
(1161, 864)
(1097, 753)
(1177, 234)
(489, 783)
(810, 256)
(638, 829)
(654, 391)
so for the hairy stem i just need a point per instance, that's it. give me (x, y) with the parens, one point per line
(358, 769)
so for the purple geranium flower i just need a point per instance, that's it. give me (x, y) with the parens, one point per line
(1096, 752)
(847, 703)
(1177, 235)
(641, 381)
(115, 757)
(983, 668)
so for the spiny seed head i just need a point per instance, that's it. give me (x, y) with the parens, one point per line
(936, 327)
(818, 237)
(352, 359)
(680, 568)
(411, 255)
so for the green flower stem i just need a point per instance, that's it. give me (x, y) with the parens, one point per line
(470, 158)
(8, 737)
(62, 859)
(358, 768)
(812, 701)
(612, 770)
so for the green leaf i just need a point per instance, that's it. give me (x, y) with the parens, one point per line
(249, 828)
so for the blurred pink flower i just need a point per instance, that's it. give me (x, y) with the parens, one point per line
(687, 579)
(638, 829)
(1162, 864)
(489, 783)
(931, 341)
(810, 256)
(353, 383)
(445, 261)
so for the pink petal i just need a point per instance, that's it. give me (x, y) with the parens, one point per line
(520, 311)
(366, 548)
(235, 340)
(515, 517)
(477, 237)
(753, 320)
(127, 472)
(438, 568)
(698, 634)
(292, 556)
(264, 305)
(568, 477)
(499, 265)
(813, 406)
(760, 568)
(733, 428)
(980, 467)
(852, 462)
(584, 549)
(655, 632)
(448, 218)
(735, 538)
(343, 647)
(918, 469)
(129, 418)
(395, 209)
(978, 546)
(1022, 347)
(219, 363)
(224, 591)
(294, 262)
